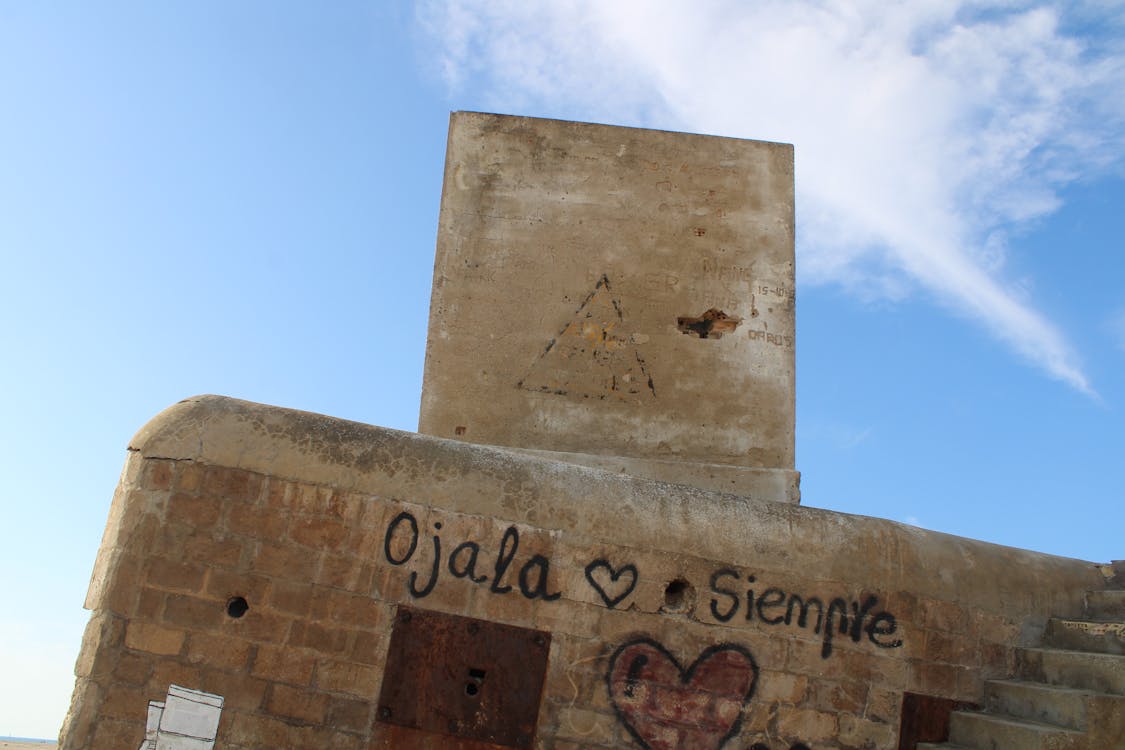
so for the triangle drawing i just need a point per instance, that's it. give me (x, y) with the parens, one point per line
(593, 357)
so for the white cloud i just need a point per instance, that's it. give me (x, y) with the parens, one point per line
(923, 130)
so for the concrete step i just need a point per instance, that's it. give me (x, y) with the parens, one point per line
(1108, 605)
(1048, 704)
(1102, 673)
(1085, 635)
(990, 732)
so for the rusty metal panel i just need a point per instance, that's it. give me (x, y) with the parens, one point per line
(466, 679)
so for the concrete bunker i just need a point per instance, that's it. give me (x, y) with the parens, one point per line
(555, 561)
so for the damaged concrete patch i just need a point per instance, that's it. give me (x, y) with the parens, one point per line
(710, 325)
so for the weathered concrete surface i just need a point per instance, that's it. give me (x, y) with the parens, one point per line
(779, 485)
(309, 520)
(614, 291)
(1068, 697)
(350, 456)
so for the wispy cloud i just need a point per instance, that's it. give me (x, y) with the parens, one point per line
(925, 131)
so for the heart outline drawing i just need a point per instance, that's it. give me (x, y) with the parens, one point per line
(614, 576)
(667, 707)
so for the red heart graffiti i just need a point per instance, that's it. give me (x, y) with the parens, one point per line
(665, 707)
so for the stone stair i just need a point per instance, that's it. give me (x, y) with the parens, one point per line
(1069, 694)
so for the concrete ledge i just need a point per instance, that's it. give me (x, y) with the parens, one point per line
(779, 485)
(608, 507)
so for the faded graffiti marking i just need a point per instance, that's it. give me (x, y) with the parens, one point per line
(777, 339)
(666, 707)
(593, 356)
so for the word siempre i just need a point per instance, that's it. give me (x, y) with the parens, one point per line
(774, 606)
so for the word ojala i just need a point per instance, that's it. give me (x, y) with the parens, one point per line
(463, 560)
(772, 606)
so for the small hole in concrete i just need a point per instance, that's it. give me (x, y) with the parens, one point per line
(476, 678)
(678, 596)
(237, 607)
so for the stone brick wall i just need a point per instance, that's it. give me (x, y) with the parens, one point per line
(674, 616)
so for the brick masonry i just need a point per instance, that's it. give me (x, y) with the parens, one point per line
(674, 614)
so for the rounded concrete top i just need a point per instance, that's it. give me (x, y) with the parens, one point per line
(603, 506)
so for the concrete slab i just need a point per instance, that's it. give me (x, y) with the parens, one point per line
(613, 291)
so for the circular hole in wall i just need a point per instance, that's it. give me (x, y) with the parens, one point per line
(678, 596)
(237, 607)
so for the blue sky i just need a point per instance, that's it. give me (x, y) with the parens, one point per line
(241, 198)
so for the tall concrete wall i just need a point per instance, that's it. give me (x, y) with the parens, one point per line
(272, 557)
(616, 291)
